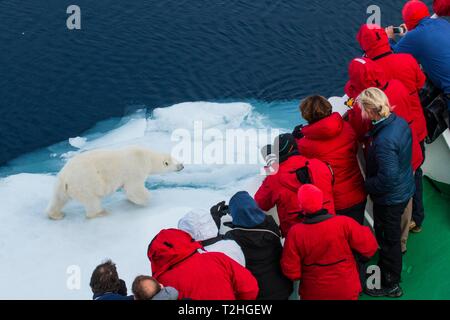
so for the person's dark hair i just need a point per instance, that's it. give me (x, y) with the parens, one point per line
(315, 108)
(123, 291)
(141, 292)
(105, 278)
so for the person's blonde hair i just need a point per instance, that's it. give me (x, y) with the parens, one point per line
(375, 100)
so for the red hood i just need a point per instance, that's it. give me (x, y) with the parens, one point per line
(413, 12)
(364, 73)
(441, 7)
(324, 129)
(169, 247)
(373, 40)
(286, 172)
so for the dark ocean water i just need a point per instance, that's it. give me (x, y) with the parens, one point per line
(56, 83)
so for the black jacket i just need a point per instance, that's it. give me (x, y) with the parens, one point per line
(262, 250)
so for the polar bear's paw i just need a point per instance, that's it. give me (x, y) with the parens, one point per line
(142, 200)
(98, 214)
(138, 195)
(56, 215)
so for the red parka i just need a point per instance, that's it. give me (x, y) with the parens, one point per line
(280, 189)
(365, 73)
(401, 66)
(334, 141)
(176, 263)
(320, 255)
(441, 7)
(319, 252)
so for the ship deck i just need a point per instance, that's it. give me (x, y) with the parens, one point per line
(426, 265)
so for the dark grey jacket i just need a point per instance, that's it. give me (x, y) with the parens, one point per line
(390, 178)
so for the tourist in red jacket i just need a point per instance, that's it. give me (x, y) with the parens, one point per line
(176, 262)
(280, 189)
(403, 67)
(365, 73)
(441, 7)
(329, 138)
(319, 251)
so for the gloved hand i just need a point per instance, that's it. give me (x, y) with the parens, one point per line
(218, 211)
(297, 133)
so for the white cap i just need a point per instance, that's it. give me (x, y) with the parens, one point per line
(199, 224)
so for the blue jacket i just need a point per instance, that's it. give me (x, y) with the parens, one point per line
(429, 43)
(390, 178)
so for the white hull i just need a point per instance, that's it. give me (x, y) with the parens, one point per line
(437, 159)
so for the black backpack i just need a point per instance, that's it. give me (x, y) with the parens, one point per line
(304, 176)
(435, 110)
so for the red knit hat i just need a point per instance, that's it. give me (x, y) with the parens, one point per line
(310, 198)
(413, 12)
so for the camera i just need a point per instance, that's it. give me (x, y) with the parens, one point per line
(399, 30)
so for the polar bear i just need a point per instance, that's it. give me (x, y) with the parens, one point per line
(90, 176)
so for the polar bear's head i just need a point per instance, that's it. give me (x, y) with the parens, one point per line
(154, 162)
(161, 162)
(166, 164)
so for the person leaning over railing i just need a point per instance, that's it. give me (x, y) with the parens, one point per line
(293, 170)
(428, 41)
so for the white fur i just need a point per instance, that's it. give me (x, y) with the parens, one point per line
(90, 176)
